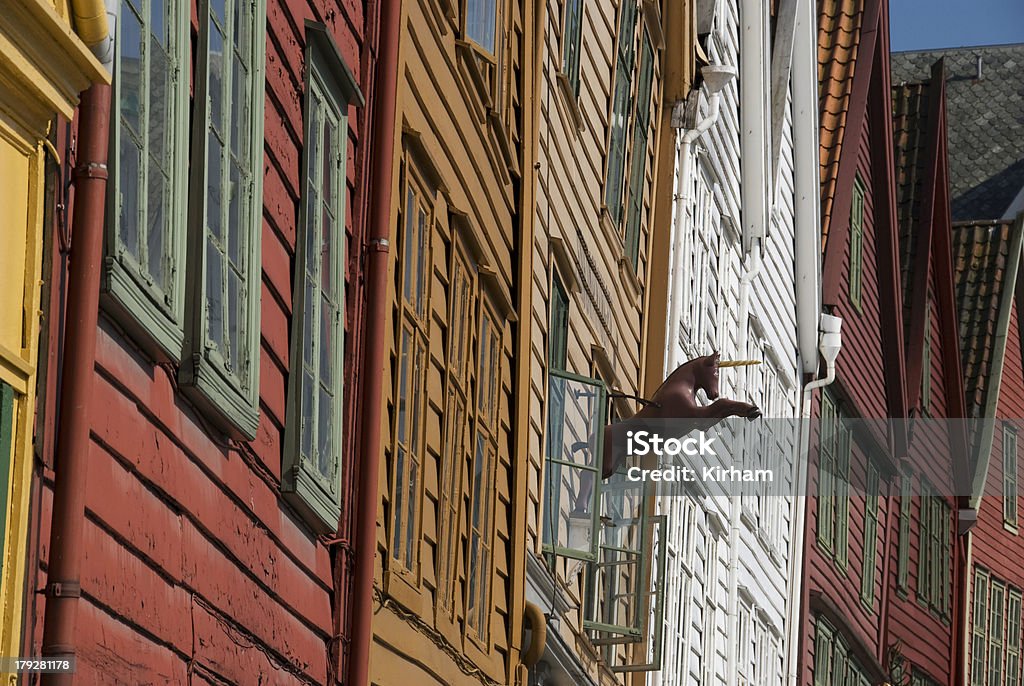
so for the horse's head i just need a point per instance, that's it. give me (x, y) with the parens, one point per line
(706, 375)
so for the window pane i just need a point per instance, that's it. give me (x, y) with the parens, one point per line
(214, 188)
(327, 324)
(307, 325)
(214, 295)
(236, 307)
(326, 266)
(216, 77)
(156, 220)
(325, 431)
(130, 214)
(236, 213)
(396, 527)
(130, 38)
(308, 419)
(480, 22)
(160, 108)
(410, 523)
(239, 109)
(410, 246)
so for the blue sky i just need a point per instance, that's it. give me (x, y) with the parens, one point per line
(922, 24)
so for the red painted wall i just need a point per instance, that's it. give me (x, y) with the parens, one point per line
(195, 566)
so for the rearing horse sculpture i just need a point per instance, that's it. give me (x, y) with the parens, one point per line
(676, 398)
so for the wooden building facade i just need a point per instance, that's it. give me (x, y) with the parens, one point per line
(448, 587)
(221, 400)
(853, 467)
(595, 552)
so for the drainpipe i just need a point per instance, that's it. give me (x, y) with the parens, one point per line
(716, 78)
(381, 173)
(63, 583)
(810, 322)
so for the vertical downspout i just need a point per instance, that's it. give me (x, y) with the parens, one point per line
(93, 19)
(381, 173)
(807, 189)
(63, 586)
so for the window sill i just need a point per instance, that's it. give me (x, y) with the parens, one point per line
(302, 490)
(155, 332)
(223, 404)
(1011, 528)
(399, 585)
(570, 100)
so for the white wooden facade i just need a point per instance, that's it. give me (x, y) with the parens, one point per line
(729, 556)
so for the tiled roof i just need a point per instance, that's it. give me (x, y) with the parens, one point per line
(980, 256)
(910, 104)
(839, 27)
(985, 121)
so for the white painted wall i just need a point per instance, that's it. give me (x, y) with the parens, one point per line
(725, 623)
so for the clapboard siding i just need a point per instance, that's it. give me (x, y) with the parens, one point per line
(227, 583)
(440, 105)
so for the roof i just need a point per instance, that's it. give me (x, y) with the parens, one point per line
(986, 123)
(839, 30)
(910, 110)
(981, 261)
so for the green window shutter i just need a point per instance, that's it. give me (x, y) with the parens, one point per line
(856, 242)
(571, 43)
(843, 495)
(823, 667)
(979, 628)
(1013, 609)
(872, 504)
(1009, 476)
(641, 127)
(906, 501)
(925, 563)
(222, 328)
(311, 474)
(827, 474)
(620, 110)
(143, 273)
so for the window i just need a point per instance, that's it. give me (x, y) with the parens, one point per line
(743, 643)
(834, 475)
(558, 336)
(933, 565)
(1009, 476)
(620, 110)
(457, 421)
(995, 632)
(222, 333)
(903, 561)
(1013, 608)
(997, 596)
(834, 662)
(312, 464)
(144, 274)
(481, 23)
(489, 354)
(979, 628)
(571, 43)
(410, 392)
(637, 174)
(869, 560)
(856, 242)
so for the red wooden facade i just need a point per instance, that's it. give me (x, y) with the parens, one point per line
(196, 569)
(855, 619)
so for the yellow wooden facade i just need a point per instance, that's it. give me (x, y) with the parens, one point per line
(43, 68)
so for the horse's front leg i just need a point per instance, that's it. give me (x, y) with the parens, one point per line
(724, 407)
